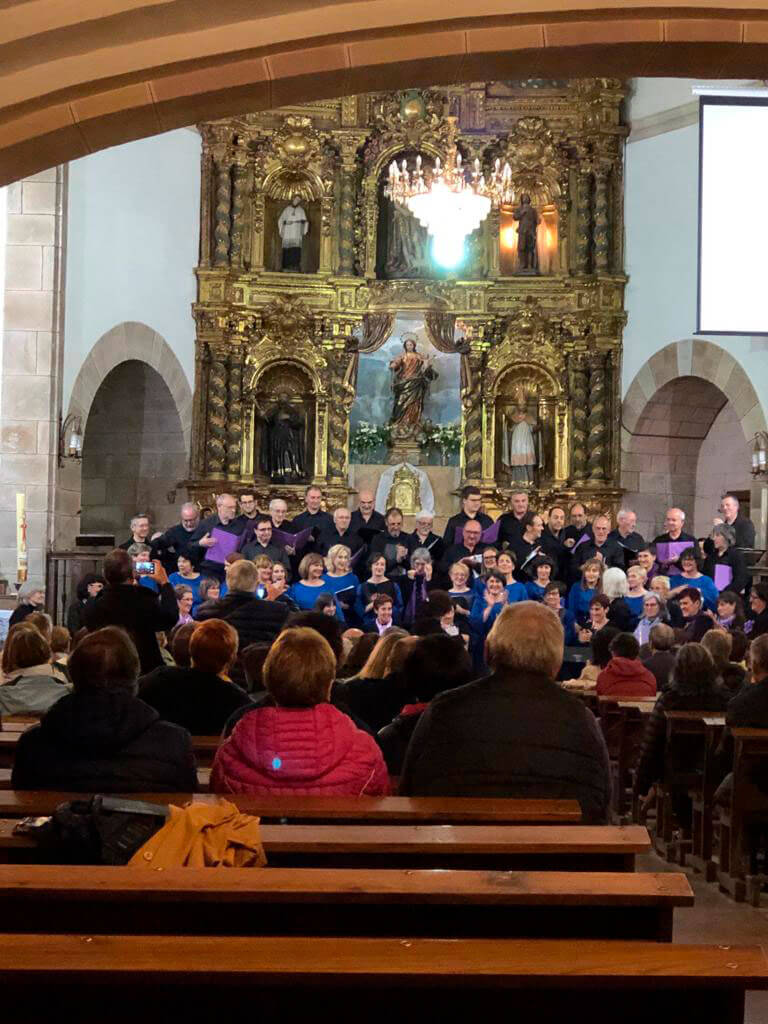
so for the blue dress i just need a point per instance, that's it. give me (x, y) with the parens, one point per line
(516, 592)
(194, 585)
(705, 584)
(305, 597)
(535, 592)
(480, 630)
(365, 592)
(636, 605)
(578, 602)
(337, 584)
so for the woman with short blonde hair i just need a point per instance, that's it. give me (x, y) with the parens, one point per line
(301, 743)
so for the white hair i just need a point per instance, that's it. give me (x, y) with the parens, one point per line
(425, 515)
(623, 513)
(274, 501)
(615, 583)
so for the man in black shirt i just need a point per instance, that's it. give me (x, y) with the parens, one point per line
(139, 531)
(601, 546)
(626, 536)
(339, 533)
(577, 527)
(203, 539)
(511, 522)
(743, 528)
(552, 538)
(313, 514)
(675, 534)
(527, 546)
(365, 515)
(469, 551)
(471, 500)
(175, 541)
(262, 544)
(249, 514)
(395, 545)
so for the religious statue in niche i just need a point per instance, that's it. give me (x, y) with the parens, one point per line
(292, 226)
(283, 442)
(412, 373)
(520, 441)
(527, 217)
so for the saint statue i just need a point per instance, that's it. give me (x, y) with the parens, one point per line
(519, 442)
(407, 245)
(412, 375)
(292, 226)
(283, 443)
(527, 217)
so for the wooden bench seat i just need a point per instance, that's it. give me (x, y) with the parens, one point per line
(418, 979)
(502, 847)
(205, 747)
(392, 810)
(290, 901)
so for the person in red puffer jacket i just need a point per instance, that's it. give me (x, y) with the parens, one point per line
(625, 675)
(300, 743)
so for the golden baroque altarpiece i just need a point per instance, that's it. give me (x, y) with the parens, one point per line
(554, 337)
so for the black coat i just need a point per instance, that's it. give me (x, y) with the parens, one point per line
(395, 737)
(174, 542)
(331, 536)
(457, 552)
(256, 621)
(510, 529)
(734, 560)
(375, 701)
(620, 615)
(274, 552)
(199, 554)
(457, 523)
(376, 521)
(660, 663)
(21, 611)
(139, 611)
(319, 521)
(613, 555)
(385, 544)
(198, 701)
(510, 734)
(105, 742)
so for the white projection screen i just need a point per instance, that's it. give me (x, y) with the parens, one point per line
(733, 215)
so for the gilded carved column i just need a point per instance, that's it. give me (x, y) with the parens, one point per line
(347, 209)
(206, 188)
(472, 405)
(342, 397)
(235, 413)
(583, 220)
(578, 389)
(221, 231)
(215, 448)
(598, 428)
(601, 220)
(239, 177)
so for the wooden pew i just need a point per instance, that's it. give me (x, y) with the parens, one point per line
(623, 723)
(205, 747)
(749, 807)
(388, 810)
(420, 979)
(290, 901)
(687, 728)
(503, 847)
(700, 855)
(5, 778)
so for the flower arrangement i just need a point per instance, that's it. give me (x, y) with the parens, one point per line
(445, 437)
(368, 438)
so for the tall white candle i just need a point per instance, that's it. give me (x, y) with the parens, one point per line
(21, 538)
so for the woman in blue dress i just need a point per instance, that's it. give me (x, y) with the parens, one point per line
(310, 584)
(542, 576)
(188, 577)
(505, 564)
(690, 576)
(377, 583)
(484, 613)
(340, 580)
(582, 592)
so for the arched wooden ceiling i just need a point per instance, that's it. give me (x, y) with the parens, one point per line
(79, 76)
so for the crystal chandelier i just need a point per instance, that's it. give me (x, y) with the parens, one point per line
(449, 201)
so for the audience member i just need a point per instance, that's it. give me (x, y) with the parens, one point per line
(101, 738)
(616, 588)
(313, 517)
(743, 528)
(30, 684)
(137, 610)
(89, 586)
(600, 654)
(42, 622)
(300, 744)
(205, 546)
(31, 598)
(255, 620)
(514, 733)
(185, 599)
(661, 659)
(749, 708)
(692, 687)
(730, 611)
(375, 694)
(625, 675)
(471, 504)
(252, 660)
(757, 623)
(358, 655)
(581, 593)
(695, 620)
(690, 576)
(433, 665)
(725, 563)
(61, 645)
(377, 583)
(202, 697)
(739, 646)
(393, 544)
(178, 642)
(730, 675)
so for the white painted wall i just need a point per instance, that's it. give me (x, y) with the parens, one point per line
(661, 223)
(132, 245)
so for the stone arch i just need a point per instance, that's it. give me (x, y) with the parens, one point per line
(686, 395)
(132, 341)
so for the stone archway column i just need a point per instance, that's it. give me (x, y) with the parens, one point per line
(31, 376)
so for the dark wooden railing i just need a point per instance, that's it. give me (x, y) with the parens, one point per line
(63, 570)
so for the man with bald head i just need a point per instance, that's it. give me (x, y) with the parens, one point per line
(225, 520)
(674, 521)
(365, 515)
(339, 533)
(175, 541)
